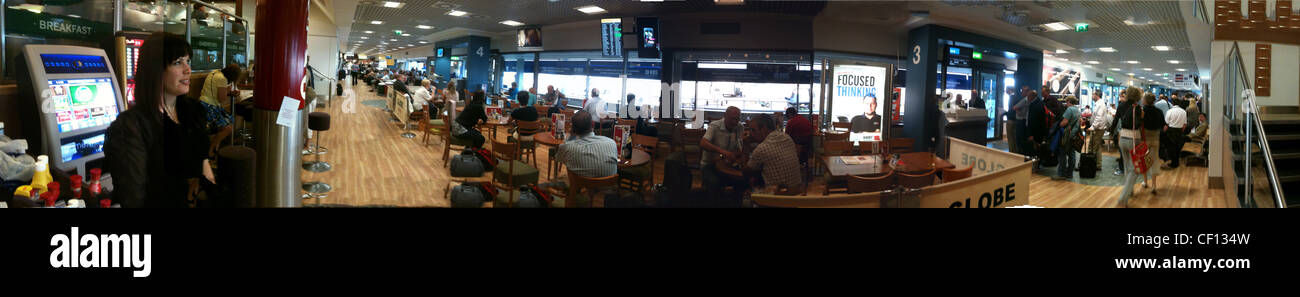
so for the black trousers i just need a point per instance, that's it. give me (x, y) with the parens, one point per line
(473, 136)
(1173, 146)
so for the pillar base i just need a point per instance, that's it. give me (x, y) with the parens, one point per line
(277, 146)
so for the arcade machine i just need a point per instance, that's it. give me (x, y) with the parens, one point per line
(75, 98)
(126, 51)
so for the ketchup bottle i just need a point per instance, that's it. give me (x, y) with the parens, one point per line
(95, 191)
(76, 186)
(52, 195)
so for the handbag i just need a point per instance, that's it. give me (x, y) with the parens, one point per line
(1076, 141)
(1140, 150)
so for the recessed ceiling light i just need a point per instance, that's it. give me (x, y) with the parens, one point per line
(1132, 62)
(424, 27)
(1146, 69)
(511, 23)
(391, 4)
(456, 13)
(424, 42)
(591, 9)
(1131, 74)
(1162, 48)
(1062, 52)
(394, 39)
(406, 34)
(1106, 49)
(1114, 69)
(1174, 62)
(1094, 62)
(376, 22)
(410, 45)
(1132, 22)
(1057, 26)
(1181, 69)
(370, 32)
(364, 37)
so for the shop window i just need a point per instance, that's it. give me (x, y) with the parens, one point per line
(82, 23)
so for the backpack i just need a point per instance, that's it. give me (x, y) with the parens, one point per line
(484, 155)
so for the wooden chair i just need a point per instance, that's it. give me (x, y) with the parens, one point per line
(592, 186)
(667, 129)
(867, 184)
(528, 146)
(434, 126)
(543, 112)
(640, 178)
(951, 175)
(916, 181)
(841, 126)
(832, 149)
(690, 143)
(629, 123)
(901, 145)
(448, 141)
(509, 173)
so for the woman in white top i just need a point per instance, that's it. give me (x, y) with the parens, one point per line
(422, 95)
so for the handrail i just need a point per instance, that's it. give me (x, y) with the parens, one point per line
(1252, 114)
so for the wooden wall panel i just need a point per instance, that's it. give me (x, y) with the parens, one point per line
(1231, 23)
(1263, 69)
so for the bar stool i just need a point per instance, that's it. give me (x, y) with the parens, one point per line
(319, 122)
(244, 110)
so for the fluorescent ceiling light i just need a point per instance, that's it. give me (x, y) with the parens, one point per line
(1057, 26)
(723, 66)
(391, 4)
(1131, 22)
(424, 27)
(406, 34)
(410, 45)
(1106, 49)
(456, 13)
(394, 39)
(511, 23)
(591, 9)
(370, 32)
(1131, 74)
(1131, 62)
(1173, 62)
(376, 22)
(1181, 69)
(424, 42)
(1114, 69)
(1162, 48)
(1062, 52)
(364, 37)
(1094, 62)
(1146, 69)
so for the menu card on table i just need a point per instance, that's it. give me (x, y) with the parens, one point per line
(858, 160)
(557, 125)
(622, 136)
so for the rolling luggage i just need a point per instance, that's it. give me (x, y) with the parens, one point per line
(1046, 156)
(1088, 165)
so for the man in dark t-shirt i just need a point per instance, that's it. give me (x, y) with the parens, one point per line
(526, 113)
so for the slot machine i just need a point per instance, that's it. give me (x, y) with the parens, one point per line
(73, 96)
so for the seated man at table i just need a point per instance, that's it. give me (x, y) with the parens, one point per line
(798, 127)
(774, 159)
(721, 143)
(526, 114)
(587, 154)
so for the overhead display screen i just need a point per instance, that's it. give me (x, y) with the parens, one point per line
(611, 37)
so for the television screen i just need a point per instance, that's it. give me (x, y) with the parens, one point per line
(530, 37)
(83, 103)
(648, 28)
(611, 37)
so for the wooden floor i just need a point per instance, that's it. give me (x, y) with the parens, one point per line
(374, 166)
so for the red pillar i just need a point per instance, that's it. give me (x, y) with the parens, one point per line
(280, 52)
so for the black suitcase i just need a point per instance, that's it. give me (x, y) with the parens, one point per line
(1088, 165)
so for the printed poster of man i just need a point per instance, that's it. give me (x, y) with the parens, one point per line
(857, 94)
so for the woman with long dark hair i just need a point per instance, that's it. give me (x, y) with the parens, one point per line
(157, 149)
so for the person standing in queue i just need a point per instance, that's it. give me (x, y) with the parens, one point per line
(467, 120)
(1153, 123)
(721, 143)
(157, 150)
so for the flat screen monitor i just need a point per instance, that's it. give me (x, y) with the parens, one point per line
(529, 38)
(611, 37)
(83, 103)
(648, 29)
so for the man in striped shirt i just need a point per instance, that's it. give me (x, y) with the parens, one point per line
(587, 154)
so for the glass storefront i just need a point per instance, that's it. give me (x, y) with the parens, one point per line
(218, 38)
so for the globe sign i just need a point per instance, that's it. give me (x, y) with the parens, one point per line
(83, 94)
